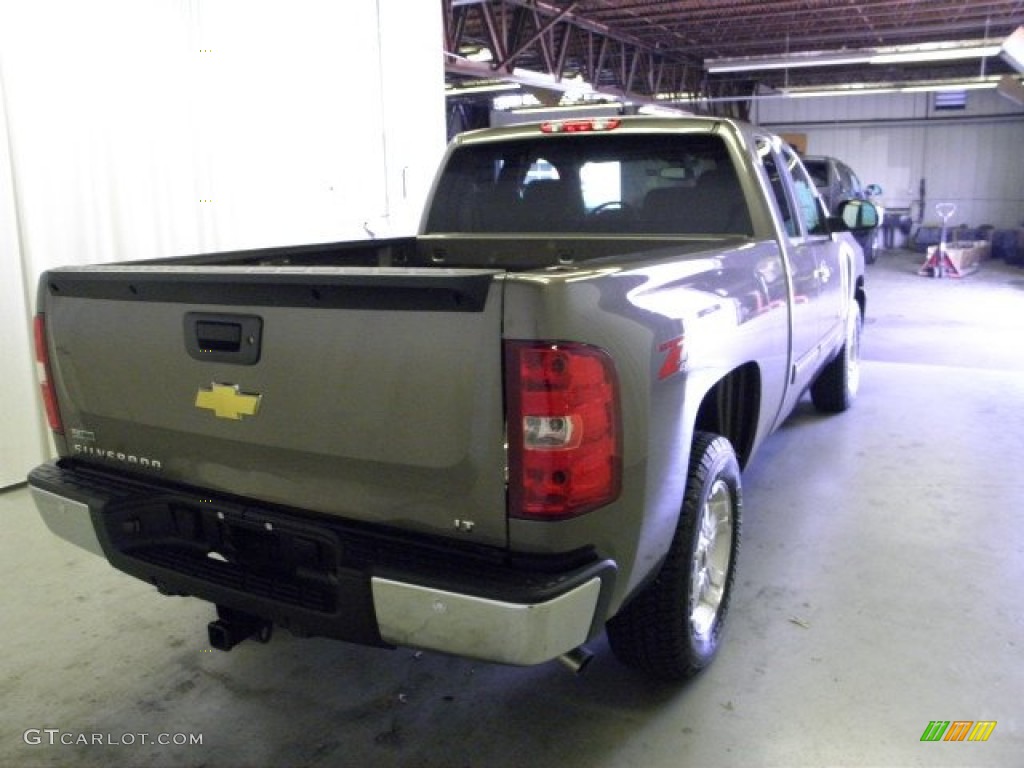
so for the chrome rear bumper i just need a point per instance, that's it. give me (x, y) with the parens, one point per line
(475, 627)
(68, 519)
(322, 579)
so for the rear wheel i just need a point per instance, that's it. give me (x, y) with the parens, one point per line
(672, 628)
(836, 387)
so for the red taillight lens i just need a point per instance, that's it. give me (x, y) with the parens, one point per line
(564, 438)
(45, 379)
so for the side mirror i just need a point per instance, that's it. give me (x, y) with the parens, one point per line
(873, 190)
(855, 216)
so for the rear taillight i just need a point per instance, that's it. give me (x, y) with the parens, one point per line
(564, 439)
(45, 377)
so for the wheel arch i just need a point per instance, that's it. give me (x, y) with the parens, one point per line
(732, 408)
(860, 295)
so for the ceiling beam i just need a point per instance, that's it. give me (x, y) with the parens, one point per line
(553, 40)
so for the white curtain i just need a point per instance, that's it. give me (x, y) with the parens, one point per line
(138, 130)
(22, 438)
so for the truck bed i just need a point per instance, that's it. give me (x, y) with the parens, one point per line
(513, 253)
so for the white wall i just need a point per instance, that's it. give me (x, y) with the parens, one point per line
(146, 129)
(22, 435)
(972, 158)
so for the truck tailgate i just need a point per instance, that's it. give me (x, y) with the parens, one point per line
(374, 394)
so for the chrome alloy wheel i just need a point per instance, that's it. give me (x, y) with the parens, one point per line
(673, 627)
(711, 556)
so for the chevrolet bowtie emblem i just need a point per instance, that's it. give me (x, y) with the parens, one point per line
(227, 401)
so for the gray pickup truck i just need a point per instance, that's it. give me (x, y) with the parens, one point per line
(499, 438)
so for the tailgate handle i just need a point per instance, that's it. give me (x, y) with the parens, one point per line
(214, 336)
(223, 338)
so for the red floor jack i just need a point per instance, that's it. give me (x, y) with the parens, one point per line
(939, 263)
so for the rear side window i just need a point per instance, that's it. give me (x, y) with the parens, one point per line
(818, 169)
(632, 184)
(802, 211)
(808, 203)
(851, 184)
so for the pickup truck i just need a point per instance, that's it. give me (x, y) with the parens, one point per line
(499, 438)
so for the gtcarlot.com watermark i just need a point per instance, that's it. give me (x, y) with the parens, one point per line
(57, 737)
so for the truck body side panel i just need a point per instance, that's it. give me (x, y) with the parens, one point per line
(674, 328)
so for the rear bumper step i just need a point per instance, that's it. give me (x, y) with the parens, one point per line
(321, 576)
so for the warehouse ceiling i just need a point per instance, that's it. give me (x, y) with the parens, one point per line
(703, 53)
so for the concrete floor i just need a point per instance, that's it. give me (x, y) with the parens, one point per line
(881, 587)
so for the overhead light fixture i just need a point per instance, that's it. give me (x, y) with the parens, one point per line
(934, 52)
(860, 90)
(970, 85)
(945, 51)
(1012, 49)
(482, 86)
(871, 89)
(792, 61)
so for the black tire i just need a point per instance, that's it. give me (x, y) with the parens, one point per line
(836, 387)
(672, 629)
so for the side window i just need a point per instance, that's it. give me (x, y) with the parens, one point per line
(774, 170)
(851, 182)
(819, 172)
(809, 208)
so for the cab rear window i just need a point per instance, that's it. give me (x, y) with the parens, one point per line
(621, 183)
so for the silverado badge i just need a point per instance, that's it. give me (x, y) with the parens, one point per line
(227, 401)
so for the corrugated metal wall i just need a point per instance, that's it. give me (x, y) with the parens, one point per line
(973, 158)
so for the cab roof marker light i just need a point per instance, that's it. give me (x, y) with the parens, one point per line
(581, 126)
